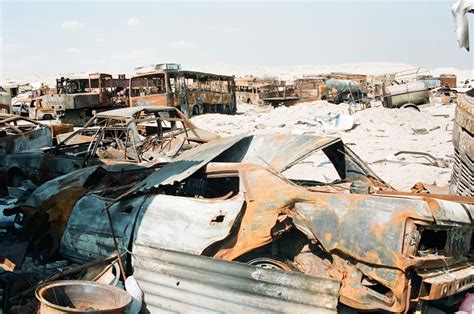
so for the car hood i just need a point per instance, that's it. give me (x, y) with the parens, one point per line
(372, 228)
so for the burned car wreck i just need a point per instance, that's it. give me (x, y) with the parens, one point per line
(19, 133)
(139, 134)
(235, 199)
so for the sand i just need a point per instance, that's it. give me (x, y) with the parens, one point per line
(288, 73)
(379, 133)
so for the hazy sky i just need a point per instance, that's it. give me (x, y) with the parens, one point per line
(49, 37)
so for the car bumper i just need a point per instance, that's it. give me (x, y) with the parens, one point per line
(441, 283)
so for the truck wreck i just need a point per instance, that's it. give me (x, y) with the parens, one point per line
(253, 90)
(139, 134)
(389, 250)
(76, 98)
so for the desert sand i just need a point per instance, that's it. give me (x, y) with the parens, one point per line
(378, 133)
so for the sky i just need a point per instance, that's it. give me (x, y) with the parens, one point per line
(39, 38)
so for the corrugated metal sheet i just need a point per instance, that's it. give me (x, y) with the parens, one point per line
(185, 223)
(181, 282)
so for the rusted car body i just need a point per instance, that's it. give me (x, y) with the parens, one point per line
(192, 92)
(19, 134)
(235, 199)
(140, 134)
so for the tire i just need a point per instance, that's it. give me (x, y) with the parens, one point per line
(195, 110)
(47, 117)
(269, 263)
(225, 109)
(16, 178)
(410, 106)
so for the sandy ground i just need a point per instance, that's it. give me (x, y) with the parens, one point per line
(378, 133)
(288, 73)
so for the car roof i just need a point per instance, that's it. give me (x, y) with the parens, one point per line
(130, 112)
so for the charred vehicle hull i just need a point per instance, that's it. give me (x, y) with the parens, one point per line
(19, 134)
(192, 92)
(233, 199)
(129, 135)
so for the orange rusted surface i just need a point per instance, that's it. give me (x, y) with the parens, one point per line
(190, 91)
(369, 238)
(387, 248)
(150, 100)
(6, 264)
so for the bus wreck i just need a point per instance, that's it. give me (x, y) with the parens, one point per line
(234, 199)
(191, 92)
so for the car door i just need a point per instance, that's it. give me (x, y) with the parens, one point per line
(186, 224)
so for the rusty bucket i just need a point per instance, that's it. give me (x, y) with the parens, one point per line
(80, 296)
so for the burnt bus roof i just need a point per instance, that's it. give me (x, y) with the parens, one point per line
(187, 73)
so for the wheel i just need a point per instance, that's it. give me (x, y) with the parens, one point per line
(16, 178)
(225, 109)
(47, 117)
(195, 110)
(410, 106)
(269, 263)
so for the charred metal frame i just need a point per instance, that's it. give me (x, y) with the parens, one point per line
(200, 97)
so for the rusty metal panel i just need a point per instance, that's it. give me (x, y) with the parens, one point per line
(442, 282)
(186, 224)
(29, 140)
(332, 219)
(462, 180)
(182, 282)
(130, 112)
(278, 151)
(20, 134)
(451, 213)
(88, 235)
(189, 162)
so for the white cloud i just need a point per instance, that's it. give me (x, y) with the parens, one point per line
(8, 47)
(138, 53)
(183, 44)
(133, 21)
(72, 25)
(75, 51)
(99, 40)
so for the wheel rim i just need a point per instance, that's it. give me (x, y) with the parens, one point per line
(268, 263)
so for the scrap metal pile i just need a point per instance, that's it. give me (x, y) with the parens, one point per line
(139, 210)
(222, 226)
(404, 89)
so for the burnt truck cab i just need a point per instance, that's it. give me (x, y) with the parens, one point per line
(191, 92)
(77, 98)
